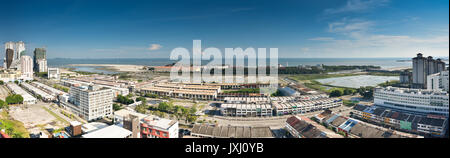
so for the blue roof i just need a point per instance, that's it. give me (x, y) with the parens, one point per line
(332, 118)
(347, 125)
(370, 109)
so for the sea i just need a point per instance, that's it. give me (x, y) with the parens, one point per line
(384, 63)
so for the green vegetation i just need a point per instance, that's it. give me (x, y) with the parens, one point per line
(366, 92)
(71, 116)
(349, 103)
(277, 93)
(86, 73)
(384, 73)
(56, 115)
(149, 95)
(13, 128)
(124, 99)
(178, 111)
(3, 104)
(117, 107)
(1, 82)
(394, 83)
(42, 74)
(65, 89)
(336, 93)
(245, 90)
(14, 99)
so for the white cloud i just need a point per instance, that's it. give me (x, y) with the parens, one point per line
(357, 6)
(322, 39)
(154, 47)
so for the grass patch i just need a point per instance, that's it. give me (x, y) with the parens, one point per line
(13, 128)
(56, 116)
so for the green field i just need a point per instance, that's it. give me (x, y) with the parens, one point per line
(13, 128)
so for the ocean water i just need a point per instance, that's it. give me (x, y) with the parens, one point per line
(383, 62)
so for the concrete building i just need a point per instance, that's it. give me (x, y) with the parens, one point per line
(299, 128)
(26, 64)
(10, 75)
(213, 131)
(53, 73)
(112, 131)
(406, 77)
(9, 58)
(48, 89)
(438, 81)
(246, 110)
(412, 123)
(90, 102)
(422, 67)
(116, 90)
(38, 92)
(301, 107)
(42, 65)
(155, 127)
(27, 98)
(412, 100)
(39, 54)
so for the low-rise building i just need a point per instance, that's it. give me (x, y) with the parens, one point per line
(155, 127)
(418, 101)
(215, 131)
(27, 98)
(112, 131)
(38, 92)
(299, 128)
(53, 73)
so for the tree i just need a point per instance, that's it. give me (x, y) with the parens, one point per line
(117, 107)
(3, 104)
(1, 82)
(14, 99)
(141, 99)
(348, 91)
(336, 93)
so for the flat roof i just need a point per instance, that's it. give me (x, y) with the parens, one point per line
(112, 131)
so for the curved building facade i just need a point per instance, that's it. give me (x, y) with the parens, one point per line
(418, 101)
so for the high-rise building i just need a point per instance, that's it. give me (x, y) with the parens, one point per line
(90, 102)
(438, 81)
(9, 57)
(39, 55)
(42, 65)
(26, 65)
(422, 67)
(17, 49)
(440, 65)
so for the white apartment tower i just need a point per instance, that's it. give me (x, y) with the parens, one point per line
(42, 63)
(26, 65)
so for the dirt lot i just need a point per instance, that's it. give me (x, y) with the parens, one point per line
(34, 118)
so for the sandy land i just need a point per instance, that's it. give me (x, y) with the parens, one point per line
(115, 67)
(398, 68)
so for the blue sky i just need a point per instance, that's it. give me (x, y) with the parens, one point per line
(299, 29)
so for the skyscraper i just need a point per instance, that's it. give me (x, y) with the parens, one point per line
(17, 49)
(419, 71)
(422, 67)
(26, 65)
(39, 56)
(9, 57)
